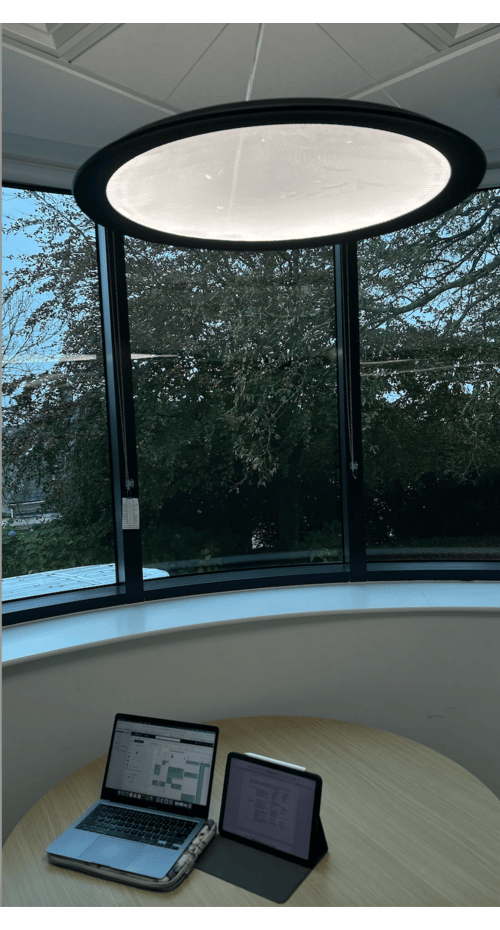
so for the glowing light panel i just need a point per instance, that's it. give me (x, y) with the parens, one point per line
(273, 182)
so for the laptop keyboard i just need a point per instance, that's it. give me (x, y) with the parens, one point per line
(142, 827)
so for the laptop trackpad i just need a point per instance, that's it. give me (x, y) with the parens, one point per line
(110, 851)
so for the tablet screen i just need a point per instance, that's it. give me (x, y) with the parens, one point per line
(270, 805)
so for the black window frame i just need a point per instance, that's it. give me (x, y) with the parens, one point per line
(130, 587)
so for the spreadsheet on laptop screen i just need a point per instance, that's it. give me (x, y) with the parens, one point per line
(161, 763)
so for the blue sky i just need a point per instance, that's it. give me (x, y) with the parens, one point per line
(12, 208)
(18, 245)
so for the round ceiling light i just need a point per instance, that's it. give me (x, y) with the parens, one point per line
(275, 174)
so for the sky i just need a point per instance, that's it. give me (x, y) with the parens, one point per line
(12, 208)
(17, 245)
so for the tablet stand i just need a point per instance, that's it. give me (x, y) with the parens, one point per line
(263, 873)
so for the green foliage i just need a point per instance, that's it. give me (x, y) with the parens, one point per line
(236, 412)
(174, 543)
(430, 325)
(49, 547)
(325, 544)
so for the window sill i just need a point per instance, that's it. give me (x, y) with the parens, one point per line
(40, 638)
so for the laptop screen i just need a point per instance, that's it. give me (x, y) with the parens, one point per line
(161, 763)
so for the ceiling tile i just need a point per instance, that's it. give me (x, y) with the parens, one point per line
(460, 89)
(294, 60)
(47, 37)
(300, 60)
(46, 99)
(44, 149)
(150, 58)
(221, 76)
(381, 48)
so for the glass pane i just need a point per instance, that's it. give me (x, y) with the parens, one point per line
(56, 498)
(236, 408)
(430, 349)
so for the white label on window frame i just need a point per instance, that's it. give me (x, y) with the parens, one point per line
(130, 513)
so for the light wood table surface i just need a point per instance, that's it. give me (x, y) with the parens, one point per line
(405, 826)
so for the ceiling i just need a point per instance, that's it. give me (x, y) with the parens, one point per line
(71, 88)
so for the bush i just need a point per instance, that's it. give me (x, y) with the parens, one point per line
(163, 543)
(50, 547)
(325, 544)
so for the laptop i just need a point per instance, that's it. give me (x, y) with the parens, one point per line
(154, 800)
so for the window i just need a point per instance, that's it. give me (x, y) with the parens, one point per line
(56, 497)
(430, 367)
(235, 386)
(228, 392)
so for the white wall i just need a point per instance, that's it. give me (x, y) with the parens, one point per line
(432, 676)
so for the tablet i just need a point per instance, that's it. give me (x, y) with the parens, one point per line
(272, 807)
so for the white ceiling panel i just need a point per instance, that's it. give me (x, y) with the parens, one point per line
(221, 76)
(382, 48)
(460, 90)
(42, 161)
(46, 149)
(46, 36)
(48, 100)
(301, 60)
(151, 58)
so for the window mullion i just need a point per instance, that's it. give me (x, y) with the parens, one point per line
(349, 394)
(120, 405)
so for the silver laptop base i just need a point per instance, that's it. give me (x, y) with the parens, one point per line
(173, 879)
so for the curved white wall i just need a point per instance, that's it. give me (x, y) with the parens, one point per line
(430, 675)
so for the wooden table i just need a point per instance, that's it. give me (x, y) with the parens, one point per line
(406, 827)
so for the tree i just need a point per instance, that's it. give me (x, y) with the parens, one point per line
(237, 407)
(55, 436)
(235, 381)
(429, 330)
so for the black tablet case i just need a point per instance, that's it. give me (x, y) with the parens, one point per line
(262, 873)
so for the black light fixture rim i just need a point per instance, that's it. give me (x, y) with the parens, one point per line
(466, 158)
